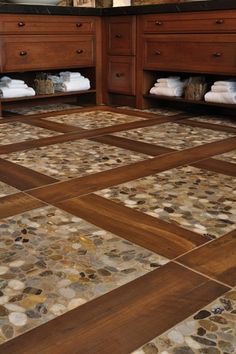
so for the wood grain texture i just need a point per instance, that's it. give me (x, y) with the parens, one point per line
(16, 204)
(154, 234)
(50, 125)
(216, 259)
(98, 181)
(218, 166)
(22, 177)
(138, 311)
(212, 126)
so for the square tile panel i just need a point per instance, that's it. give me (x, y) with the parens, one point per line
(53, 262)
(211, 330)
(74, 159)
(231, 122)
(174, 135)
(94, 119)
(228, 157)
(16, 132)
(5, 189)
(42, 109)
(187, 196)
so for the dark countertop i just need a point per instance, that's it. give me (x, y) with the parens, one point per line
(116, 11)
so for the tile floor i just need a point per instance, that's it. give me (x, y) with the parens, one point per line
(53, 261)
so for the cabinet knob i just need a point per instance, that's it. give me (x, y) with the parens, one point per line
(79, 24)
(219, 21)
(118, 35)
(79, 51)
(119, 74)
(21, 24)
(217, 54)
(23, 53)
(158, 23)
(157, 52)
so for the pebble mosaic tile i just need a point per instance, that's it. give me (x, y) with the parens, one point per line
(174, 135)
(42, 109)
(74, 159)
(16, 132)
(186, 196)
(228, 157)
(5, 189)
(53, 262)
(231, 122)
(94, 119)
(211, 330)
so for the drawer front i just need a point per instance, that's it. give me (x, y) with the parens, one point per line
(212, 54)
(34, 24)
(121, 35)
(47, 52)
(197, 22)
(121, 75)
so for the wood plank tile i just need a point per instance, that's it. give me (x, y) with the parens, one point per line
(133, 145)
(166, 239)
(205, 125)
(21, 177)
(18, 203)
(218, 166)
(50, 125)
(98, 181)
(138, 311)
(217, 259)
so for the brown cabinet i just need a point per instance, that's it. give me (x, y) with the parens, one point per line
(47, 52)
(121, 75)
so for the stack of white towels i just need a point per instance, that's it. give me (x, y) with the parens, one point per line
(68, 81)
(222, 92)
(11, 88)
(170, 86)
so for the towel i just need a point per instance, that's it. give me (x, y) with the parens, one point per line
(222, 88)
(7, 92)
(16, 85)
(8, 81)
(224, 97)
(76, 85)
(170, 79)
(167, 91)
(171, 84)
(55, 79)
(68, 76)
(229, 83)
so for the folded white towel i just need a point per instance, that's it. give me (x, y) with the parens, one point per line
(171, 84)
(225, 97)
(169, 79)
(76, 85)
(16, 85)
(222, 88)
(167, 91)
(227, 83)
(7, 92)
(8, 80)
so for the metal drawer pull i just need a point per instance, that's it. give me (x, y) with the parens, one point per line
(157, 52)
(158, 23)
(120, 74)
(79, 24)
(79, 51)
(219, 21)
(217, 54)
(23, 53)
(118, 35)
(21, 24)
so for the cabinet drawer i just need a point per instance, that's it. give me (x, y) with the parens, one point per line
(34, 24)
(197, 22)
(121, 35)
(47, 52)
(121, 75)
(203, 53)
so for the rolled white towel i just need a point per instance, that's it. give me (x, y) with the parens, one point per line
(226, 83)
(7, 92)
(76, 85)
(167, 91)
(170, 84)
(222, 88)
(68, 76)
(224, 97)
(55, 79)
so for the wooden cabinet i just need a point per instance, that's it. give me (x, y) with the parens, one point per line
(120, 56)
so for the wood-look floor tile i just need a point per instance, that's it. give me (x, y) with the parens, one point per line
(50, 125)
(16, 204)
(217, 259)
(137, 312)
(98, 181)
(218, 166)
(154, 234)
(21, 177)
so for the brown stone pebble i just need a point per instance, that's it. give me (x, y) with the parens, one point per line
(202, 314)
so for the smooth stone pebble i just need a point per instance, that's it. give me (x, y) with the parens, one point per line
(3, 311)
(16, 284)
(176, 337)
(75, 303)
(3, 270)
(150, 348)
(183, 350)
(67, 293)
(16, 264)
(7, 331)
(4, 299)
(19, 319)
(202, 314)
(14, 307)
(58, 309)
(192, 343)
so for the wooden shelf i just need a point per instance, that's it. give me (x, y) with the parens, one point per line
(56, 94)
(180, 99)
